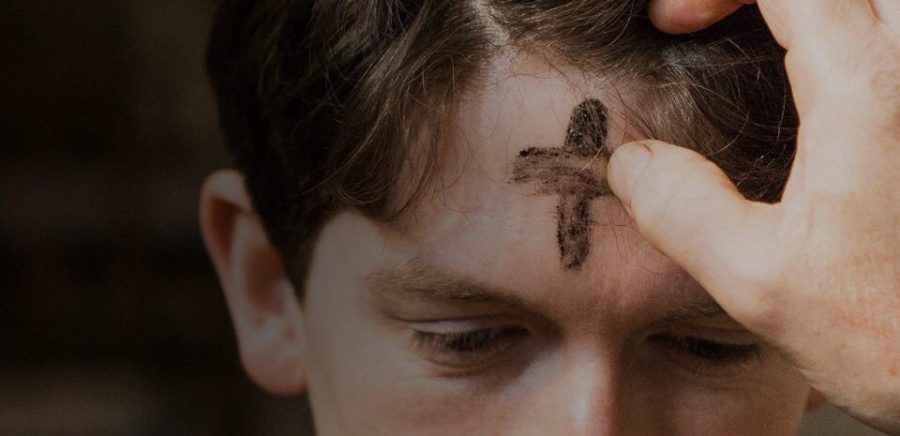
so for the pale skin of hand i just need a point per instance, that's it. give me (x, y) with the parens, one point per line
(817, 274)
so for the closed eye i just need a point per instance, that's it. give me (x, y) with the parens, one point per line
(707, 356)
(453, 346)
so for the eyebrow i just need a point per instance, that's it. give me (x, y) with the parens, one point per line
(418, 281)
(706, 308)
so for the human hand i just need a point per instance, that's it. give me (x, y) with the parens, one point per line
(684, 16)
(818, 274)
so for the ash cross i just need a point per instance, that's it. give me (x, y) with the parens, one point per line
(569, 172)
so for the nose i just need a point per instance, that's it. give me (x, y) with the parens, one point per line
(590, 395)
(590, 398)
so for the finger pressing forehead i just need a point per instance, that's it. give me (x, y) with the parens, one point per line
(684, 16)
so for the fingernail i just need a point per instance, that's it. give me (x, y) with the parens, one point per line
(627, 163)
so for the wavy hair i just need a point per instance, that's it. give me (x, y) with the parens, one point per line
(322, 101)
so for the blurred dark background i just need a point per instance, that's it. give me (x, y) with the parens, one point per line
(110, 317)
(111, 321)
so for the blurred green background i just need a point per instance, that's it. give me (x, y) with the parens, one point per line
(110, 317)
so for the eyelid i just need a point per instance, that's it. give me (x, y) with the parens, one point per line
(709, 356)
(729, 336)
(461, 325)
(471, 346)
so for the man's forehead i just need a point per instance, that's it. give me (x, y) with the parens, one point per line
(541, 110)
(668, 299)
(528, 103)
(482, 222)
(528, 98)
(576, 173)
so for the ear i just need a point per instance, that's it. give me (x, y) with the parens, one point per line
(261, 299)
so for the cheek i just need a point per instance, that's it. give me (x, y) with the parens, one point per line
(766, 408)
(769, 401)
(363, 380)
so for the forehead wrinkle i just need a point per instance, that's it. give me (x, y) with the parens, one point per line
(686, 311)
(419, 280)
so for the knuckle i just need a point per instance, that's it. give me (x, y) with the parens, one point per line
(662, 184)
(653, 206)
(671, 189)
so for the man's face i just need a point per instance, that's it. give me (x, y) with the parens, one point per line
(468, 316)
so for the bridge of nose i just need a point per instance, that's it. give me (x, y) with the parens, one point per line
(589, 393)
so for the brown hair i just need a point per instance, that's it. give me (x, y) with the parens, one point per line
(320, 99)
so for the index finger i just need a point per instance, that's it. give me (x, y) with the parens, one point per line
(685, 16)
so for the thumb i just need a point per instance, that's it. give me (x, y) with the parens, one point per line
(688, 209)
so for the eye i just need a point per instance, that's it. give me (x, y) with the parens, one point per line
(718, 352)
(460, 345)
(708, 356)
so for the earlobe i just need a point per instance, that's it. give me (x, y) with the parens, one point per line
(267, 317)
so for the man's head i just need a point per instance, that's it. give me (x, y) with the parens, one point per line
(427, 244)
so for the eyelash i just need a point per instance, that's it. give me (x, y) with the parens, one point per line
(473, 344)
(717, 351)
(465, 348)
(707, 357)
